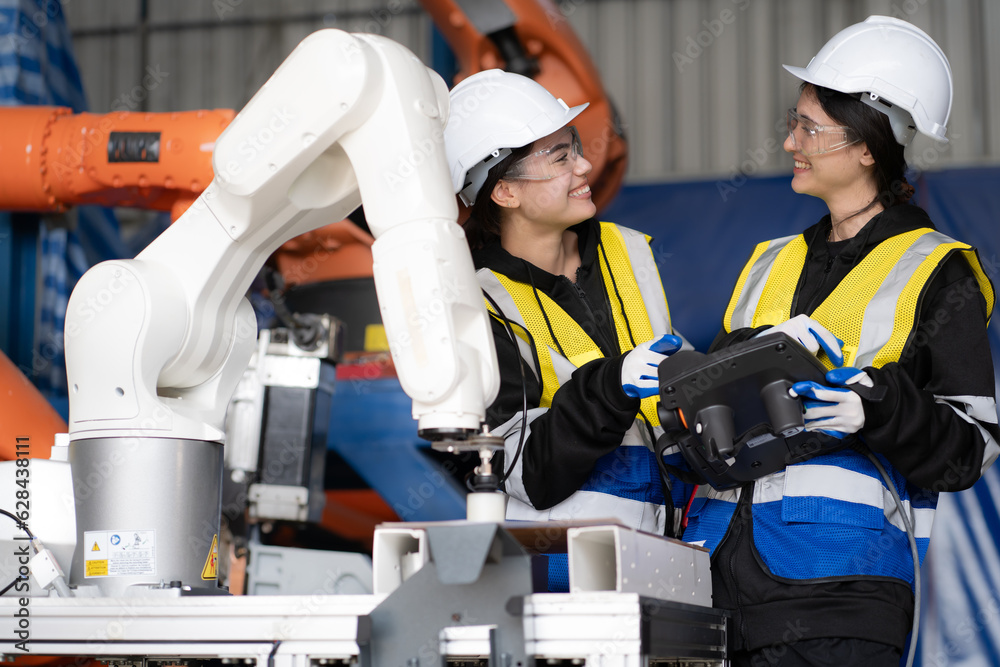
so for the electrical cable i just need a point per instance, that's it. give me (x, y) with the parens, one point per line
(20, 524)
(621, 301)
(23, 526)
(647, 422)
(628, 325)
(524, 386)
(911, 537)
(687, 507)
(306, 329)
(545, 315)
(274, 650)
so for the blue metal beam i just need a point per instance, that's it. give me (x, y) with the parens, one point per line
(442, 57)
(372, 428)
(18, 271)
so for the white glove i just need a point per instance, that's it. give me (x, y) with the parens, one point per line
(812, 335)
(639, 379)
(835, 411)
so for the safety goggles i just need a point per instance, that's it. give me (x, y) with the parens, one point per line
(554, 161)
(810, 139)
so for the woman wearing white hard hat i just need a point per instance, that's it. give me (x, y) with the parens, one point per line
(815, 561)
(579, 315)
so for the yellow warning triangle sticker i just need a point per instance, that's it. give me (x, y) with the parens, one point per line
(95, 547)
(211, 569)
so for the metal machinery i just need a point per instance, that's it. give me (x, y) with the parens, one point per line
(162, 161)
(157, 345)
(128, 505)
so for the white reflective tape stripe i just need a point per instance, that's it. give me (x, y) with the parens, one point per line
(673, 449)
(878, 321)
(638, 436)
(854, 487)
(754, 286)
(726, 496)
(510, 431)
(921, 518)
(591, 505)
(528, 355)
(519, 510)
(488, 281)
(833, 482)
(769, 488)
(981, 408)
(992, 449)
(923, 521)
(647, 277)
(563, 367)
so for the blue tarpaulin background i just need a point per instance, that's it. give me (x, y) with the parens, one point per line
(37, 67)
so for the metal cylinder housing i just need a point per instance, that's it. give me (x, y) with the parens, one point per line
(147, 512)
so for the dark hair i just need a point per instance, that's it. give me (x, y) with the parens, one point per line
(483, 225)
(873, 128)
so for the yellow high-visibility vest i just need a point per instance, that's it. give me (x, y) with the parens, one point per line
(638, 305)
(873, 310)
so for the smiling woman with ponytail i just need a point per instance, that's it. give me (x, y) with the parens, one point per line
(579, 316)
(898, 312)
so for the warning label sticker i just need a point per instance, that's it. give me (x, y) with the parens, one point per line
(119, 553)
(97, 568)
(211, 569)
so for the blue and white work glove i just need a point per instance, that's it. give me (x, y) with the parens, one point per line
(834, 410)
(812, 335)
(639, 377)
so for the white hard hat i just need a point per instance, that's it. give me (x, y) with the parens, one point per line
(491, 112)
(903, 71)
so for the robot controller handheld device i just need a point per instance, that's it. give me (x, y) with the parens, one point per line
(730, 412)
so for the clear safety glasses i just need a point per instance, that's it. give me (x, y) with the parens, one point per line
(809, 138)
(557, 159)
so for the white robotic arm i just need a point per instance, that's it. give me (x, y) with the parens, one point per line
(156, 345)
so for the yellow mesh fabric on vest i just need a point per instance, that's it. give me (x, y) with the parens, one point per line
(985, 286)
(614, 262)
(909, 300)
(549, 381)
(775, 305)
(519, 331)
(843, 312)
(578, 347)
(615, 255)
(727, 321)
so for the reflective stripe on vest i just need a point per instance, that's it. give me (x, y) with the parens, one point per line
(638, 305)
(891, 279)
(755, 275)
